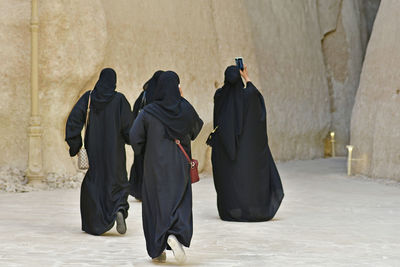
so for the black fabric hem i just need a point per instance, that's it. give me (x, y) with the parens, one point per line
(108, 228)
(267, 218)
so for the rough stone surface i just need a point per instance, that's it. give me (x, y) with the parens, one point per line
(375, 124)
(368, 10)
(328, 12)
(15, 82)
(200, 49)
(14, 180)
(343, 45)
(72, 39)
(286, 36)
(170, 35)
(326, 219)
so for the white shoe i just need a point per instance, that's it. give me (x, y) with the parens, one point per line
(177, 248)
(161, 259)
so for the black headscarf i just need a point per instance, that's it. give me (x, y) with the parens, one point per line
(104, 90)
(174, 112)
(147, 95)
(229, 110)
(150, 86)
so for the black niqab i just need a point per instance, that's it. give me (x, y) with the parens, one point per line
(150, 86)
(104, 90)
(174, 112)
(229, 105)
(147, 95)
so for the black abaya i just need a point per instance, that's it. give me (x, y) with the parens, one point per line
(167, 191)
(247, 181)
(105, 188)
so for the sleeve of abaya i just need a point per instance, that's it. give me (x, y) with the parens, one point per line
(75, 123)
(250, 87)
(215, 111)
(137, 134)
(197, 125)
(255, 94)
(126, 119)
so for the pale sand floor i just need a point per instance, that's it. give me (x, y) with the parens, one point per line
(326, 219)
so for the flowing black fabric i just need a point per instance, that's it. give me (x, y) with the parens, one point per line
(146, 97)
(174, 111)
(167, 191)
(249, 187)
(105, 188)
(229, 106)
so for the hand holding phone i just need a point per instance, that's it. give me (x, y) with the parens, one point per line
(239, 63)
(245, 74)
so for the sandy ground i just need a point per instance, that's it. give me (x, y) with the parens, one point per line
(326, 219)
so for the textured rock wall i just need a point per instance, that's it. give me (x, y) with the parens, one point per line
(345, 29)
(368, 11)
(14, 75)
(375, 123)
(72, 47)
(196, 41)
(279, 40)
(72, 39)
(199, 42)
(148, 36)
(292, 76)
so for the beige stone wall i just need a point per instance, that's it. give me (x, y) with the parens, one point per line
(344, 33)
(280, 41)
(199, 40)
(73, 39)
(292, 76)
(148, 36)
(375, 123)
(15, 75)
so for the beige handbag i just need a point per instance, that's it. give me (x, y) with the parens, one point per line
(83, 159)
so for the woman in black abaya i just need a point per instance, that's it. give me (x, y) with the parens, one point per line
(167, 190)
(146, 97)
(247, 182)
(105, 188)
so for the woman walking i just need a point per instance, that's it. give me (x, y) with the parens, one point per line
(167, 190)
(246, 179)
(105, 188)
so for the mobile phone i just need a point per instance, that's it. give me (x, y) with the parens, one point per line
(239, 62)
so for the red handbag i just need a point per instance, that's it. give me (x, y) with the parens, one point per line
(194, 164)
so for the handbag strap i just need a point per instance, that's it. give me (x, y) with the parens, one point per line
(183, 150)
(215, 129)
(87, 116)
